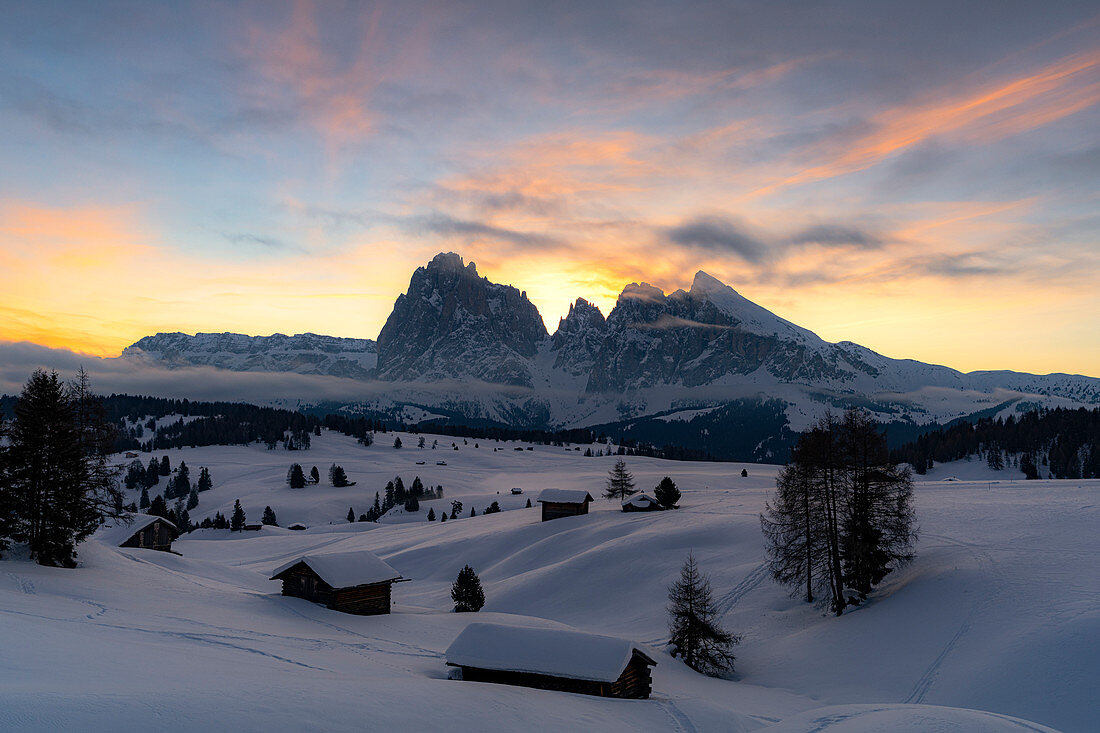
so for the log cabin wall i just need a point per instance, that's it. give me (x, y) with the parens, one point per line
(556, 510)
(364, 600)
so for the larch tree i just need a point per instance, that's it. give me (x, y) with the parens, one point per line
(695, 632)
(620, 482)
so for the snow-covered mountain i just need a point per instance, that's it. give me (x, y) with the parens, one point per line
(459, 344)
(304, 353)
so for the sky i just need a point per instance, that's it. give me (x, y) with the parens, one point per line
(920, 178)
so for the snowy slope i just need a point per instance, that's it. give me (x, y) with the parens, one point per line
(1001, 612)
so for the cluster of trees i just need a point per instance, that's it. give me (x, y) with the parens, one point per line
(842, 515)
(218, 423)
(620, 486)
(56, 486)
(296, 477)
(1058, 443)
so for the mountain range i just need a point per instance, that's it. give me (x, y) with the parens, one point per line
(460, 347)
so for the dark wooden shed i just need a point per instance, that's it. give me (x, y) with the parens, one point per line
(552, 659)
(557, 503)
(350, 582)
(143, 531)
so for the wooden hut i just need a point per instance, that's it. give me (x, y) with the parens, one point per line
(641, 503)
(557, 503)
(552, 659)
(143, 531)
(351, 582)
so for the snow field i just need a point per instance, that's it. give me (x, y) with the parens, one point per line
(1000, 613)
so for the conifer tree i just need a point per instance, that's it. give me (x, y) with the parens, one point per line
(695, 632)
(528, 502)
(152, 473)
(205, 483)
(351, 514)
(338, 477)
(165, 467)
(431, 514)
(236, 523)
(158, 507)
(466, 591)
(473, 512)
(269, 517)
(417, 488)
(377, 506)
(456, 508)
(295, 477)
(58, 483)
(443, 516)
(192, 499)
(666, 493)
(399, 493)
(397, 442)
(390, 499)
(314, 475)
(620, 483)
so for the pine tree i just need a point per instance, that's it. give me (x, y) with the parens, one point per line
(59, 485)
(492, 508)
(417, 488)
(666, 493)
(158, 507)
(338, 477)
(466, 591)
(269, 517)
(236, 523)
(314, 475)
(376, 507)
(295, 477)
(744, 473)
(528, 502)
(182, 481)
(412, 504)
(399, 493)
(397, 442)
(620, 483)
(695, 632)
(351, 514)
(192, 499)
(443, 516)
(431, 514)
(390, 500)
(152, 473)
(205, 483)
(165, 466)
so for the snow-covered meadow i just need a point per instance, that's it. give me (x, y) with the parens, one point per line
(1000, 613)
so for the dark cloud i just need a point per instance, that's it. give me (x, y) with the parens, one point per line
(718, 234)
(261, 240)
(837, 235)
(448, 226)
(967, 264)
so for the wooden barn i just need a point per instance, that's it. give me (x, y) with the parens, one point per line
(351, 582)
(557, 503)
(641, 503)
(143, 531)
(552, 659)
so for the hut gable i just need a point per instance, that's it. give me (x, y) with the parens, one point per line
(640, 503)
(558, 659)
(557, 503)
(351, 582)
(144, 531)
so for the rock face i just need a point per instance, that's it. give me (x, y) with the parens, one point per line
(454, 324)
(697, 337)
(304, 353)
(579, 338)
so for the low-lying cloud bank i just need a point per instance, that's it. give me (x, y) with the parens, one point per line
(19, 358)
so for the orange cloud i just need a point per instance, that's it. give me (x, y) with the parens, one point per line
(988, 112)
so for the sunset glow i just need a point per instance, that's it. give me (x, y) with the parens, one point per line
(284, 168)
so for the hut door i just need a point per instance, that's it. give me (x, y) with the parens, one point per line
(309, 586)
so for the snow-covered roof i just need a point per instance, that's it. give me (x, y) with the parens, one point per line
(639, 500)
(565, 496)
(345, 569)
(556, 652)
(118, 531)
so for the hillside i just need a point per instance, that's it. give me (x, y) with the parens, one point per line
(999, 613)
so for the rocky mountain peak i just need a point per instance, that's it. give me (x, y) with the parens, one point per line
(453, 324)
(579, 337)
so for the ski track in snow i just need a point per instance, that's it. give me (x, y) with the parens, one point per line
(726, 603)
(924, 684)
(678, 717)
